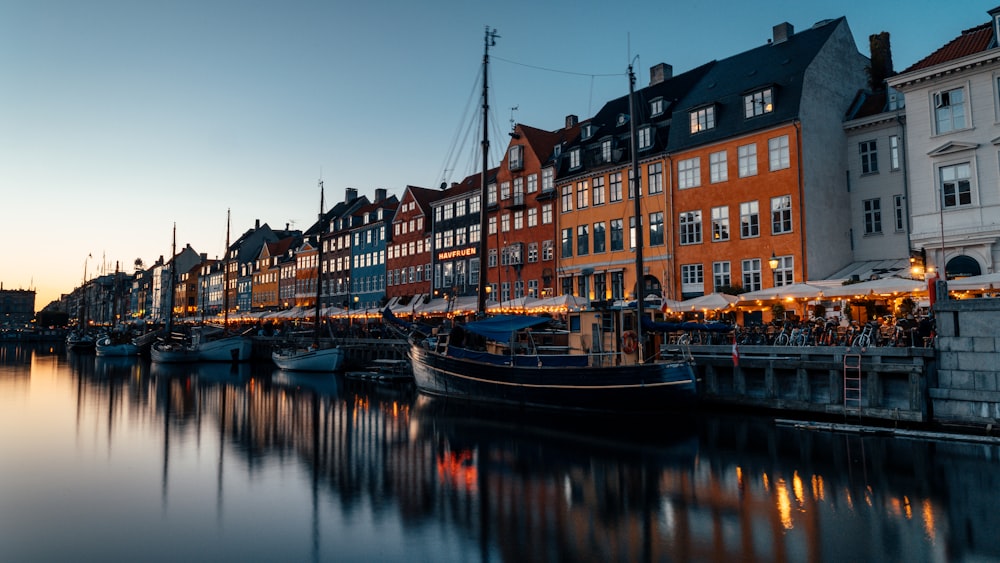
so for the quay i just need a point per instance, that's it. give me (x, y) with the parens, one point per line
(954, 384)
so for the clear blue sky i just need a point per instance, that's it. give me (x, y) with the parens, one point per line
(119, 118)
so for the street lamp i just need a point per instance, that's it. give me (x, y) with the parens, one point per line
(773, 262)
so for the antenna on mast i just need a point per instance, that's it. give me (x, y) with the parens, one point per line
(513, 124)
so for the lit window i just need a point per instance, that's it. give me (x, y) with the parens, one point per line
(690, 227)
(703, 119)
(781, 214)
(645, 138)
(758, 103)
(720, 224)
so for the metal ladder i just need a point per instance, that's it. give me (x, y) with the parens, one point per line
(852, 382)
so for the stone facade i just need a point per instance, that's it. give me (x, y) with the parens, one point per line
(968, 343)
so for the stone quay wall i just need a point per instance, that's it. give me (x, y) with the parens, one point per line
(967, 388)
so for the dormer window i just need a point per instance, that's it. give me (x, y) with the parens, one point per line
(574, 158)
(656, 107)
(587, 131)
(515, 157)
(703, 119)
(622, 119)
(758, 103)
(557, 151)
(606, 150)
(645, 137)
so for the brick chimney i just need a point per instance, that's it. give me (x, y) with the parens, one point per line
(881, 53)
(380, 195)
(571, 121)
(660, 72)
(351, 195)
(782, 32)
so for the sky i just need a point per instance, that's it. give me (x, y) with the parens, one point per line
(119, 119)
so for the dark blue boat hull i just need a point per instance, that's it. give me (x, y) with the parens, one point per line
(652, 387)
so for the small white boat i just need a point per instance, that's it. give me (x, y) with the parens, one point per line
(308, 359)
(234, 348)
(106, 346)
(173, 352)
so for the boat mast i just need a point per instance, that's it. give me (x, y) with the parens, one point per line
(489, 41)
(225, 279)
(170, 285)
(319, 261)
(640, 275)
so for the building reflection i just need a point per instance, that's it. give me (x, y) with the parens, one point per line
(718, 488)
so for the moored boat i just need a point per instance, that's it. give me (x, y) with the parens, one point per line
(296, 358)
(109, 346)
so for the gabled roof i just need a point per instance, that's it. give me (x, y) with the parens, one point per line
(423, 197)
(471, 182)
(780, 66)
(970, 42)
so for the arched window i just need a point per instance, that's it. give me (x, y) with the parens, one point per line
(961, 267)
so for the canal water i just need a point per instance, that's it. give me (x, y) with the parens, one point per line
(105, 459)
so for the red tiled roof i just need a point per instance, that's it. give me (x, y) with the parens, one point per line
(971, 41)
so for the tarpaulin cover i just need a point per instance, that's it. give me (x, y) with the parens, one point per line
(500, 327)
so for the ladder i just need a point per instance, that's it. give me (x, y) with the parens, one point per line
(852, 382)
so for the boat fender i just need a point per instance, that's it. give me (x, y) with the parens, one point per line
(629, 341)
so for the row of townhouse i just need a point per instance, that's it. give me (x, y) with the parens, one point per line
(799, 159)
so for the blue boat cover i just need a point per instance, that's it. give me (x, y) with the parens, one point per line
(501, 327)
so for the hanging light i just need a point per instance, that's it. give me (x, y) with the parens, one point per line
(773, 262)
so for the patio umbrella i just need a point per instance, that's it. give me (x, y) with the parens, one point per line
(799, 290)
(975, 283)
(882, 286)
(710, 302)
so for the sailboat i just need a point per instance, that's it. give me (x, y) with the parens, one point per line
(313, 357)
(175, 348)
(116, 342)
(228, 347)
(598, 364)
(80, 339)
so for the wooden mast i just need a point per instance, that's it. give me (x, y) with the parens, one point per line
(489, 41)
(319, 263)
(640, 275)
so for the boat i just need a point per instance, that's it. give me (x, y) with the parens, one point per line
(386, 370)
(114, 345)
(598, 361)
(176, 346)
(315, 356)
(80, 340)
(220, 345)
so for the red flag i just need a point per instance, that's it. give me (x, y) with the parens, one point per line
(736, 353)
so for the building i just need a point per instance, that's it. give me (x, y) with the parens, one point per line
(952, 101)
(408, 259)
(17, 307)
(369, 240)
(456, 229)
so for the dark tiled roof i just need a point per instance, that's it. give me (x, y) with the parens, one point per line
(867, 104)
(971, 41)
(777, 65)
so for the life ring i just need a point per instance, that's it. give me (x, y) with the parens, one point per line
(629, 341)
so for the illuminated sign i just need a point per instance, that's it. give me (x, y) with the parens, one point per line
(448, 255)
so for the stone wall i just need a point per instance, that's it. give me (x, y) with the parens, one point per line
(968, 343)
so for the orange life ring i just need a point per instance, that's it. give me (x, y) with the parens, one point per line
(629, 341)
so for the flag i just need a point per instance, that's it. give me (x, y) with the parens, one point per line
(736, 353)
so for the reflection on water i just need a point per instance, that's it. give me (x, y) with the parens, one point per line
(246, 461)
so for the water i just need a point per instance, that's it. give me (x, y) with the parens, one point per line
(115, 460)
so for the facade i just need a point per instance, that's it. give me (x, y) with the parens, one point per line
(337, 249)
(953, 129)
(408, 259)
(521, 258)
(456, 229)
(369, 241)
(17, 307)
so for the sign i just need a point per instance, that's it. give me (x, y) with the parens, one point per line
(460, 253)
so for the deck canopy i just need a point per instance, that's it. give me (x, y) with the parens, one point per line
(501, 327)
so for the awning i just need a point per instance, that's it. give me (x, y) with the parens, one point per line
(869, 269)
(501, 327)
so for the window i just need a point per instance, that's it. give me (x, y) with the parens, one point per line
(518, 191)
(781, 214)
(784, 274)
(532, 183)
(690, 225)
(567, 243)
(582, 240)
(869, 157)
(598, 191)
(873, 216)
(645, 137)
(748, 160)
(617, 234)
(504, 190)
(656, 107)
(655, 172)
(777, 151)
(491, 194)
(547, 214)
(492, 225)
(567, 198)
(618, 285)
(721, 275)
(956, 187)
(606, 150)
(582, 194)
(718, 166)
(505, 223)
(600, 243)
(751, 274)
(548, 179)
(615, 186)
(898, 212)
(949, 110)
(533, 217)
(548, 250)
(894, 152)
(689, 173)
(749, 220)
(631, 232)
(600, 285)
(758, 103)
(533, 288)
(532, 252)
(720, 224)
(574, 158)
(474, 204)
(492, 260)
(587, 131)
(518, 220)
(515, 157)
(702, 119)
(656, 228)
(692, 278)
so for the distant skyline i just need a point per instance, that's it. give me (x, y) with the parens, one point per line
(120, 118)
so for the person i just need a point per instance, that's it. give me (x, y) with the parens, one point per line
(925, 328)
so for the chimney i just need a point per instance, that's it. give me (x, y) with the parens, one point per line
(352, 194)
(256, 224)
(782, 32)
(660, 72)
(380, 194)
(571, 121)
(881, 60)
